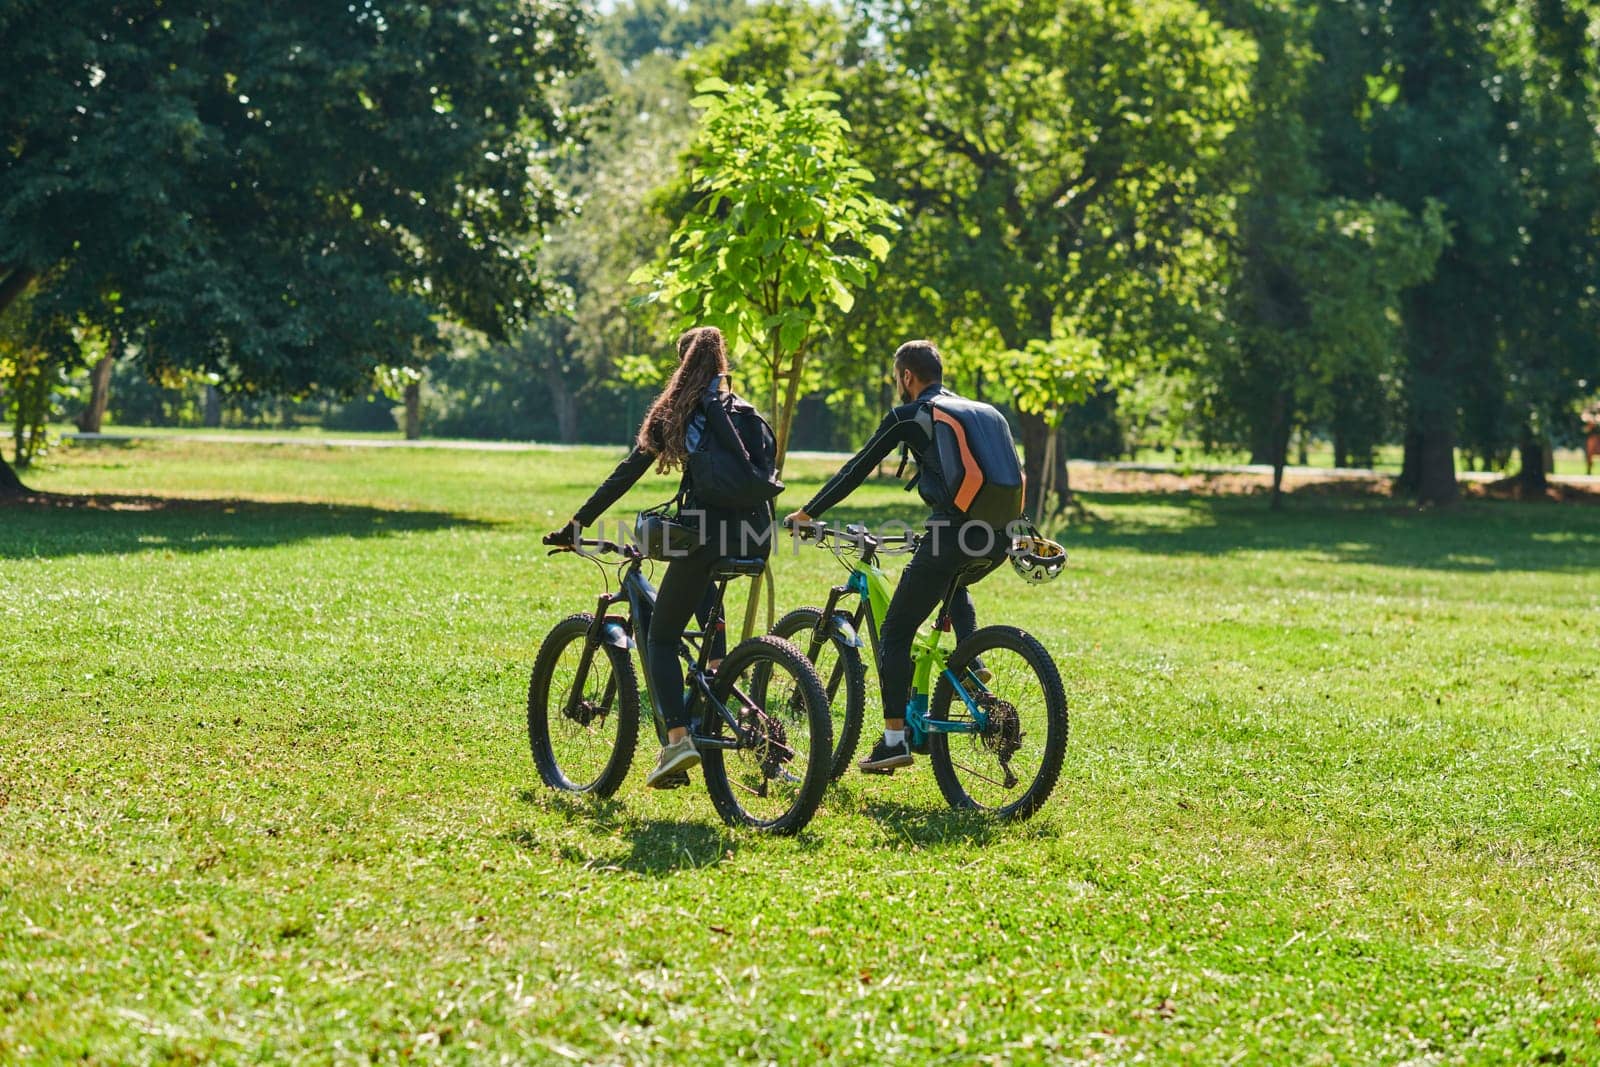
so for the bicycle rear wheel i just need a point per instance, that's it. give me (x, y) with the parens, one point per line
(582, 734)
(1009, 767)
(774, 779)
(844, 678)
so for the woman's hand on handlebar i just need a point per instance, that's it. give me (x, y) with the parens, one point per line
(566, 537)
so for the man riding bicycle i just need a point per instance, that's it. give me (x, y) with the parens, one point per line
(952, 541)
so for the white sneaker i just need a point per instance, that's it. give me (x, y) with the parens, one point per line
(675, 757)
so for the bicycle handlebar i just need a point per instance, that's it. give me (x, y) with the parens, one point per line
(821, 533)
(601, 546)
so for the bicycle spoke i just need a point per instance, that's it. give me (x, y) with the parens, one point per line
(582, 718)
(980, 775)
(1008, 756)
(767, 778)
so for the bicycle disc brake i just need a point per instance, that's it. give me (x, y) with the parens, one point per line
(585, 712)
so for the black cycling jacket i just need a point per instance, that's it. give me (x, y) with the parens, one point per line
(732, 531)
(907, 425)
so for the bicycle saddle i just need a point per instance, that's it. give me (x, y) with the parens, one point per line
(974, 569)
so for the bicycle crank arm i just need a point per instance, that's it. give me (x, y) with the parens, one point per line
(701, 741)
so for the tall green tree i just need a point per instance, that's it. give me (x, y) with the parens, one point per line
(1415, 113)
(1058, 165)
(1313, 308)
(286, 195)
(783, 232)
(1488, 107)
(1551, 343)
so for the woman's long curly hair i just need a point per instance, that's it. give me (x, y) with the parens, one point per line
(702, 355)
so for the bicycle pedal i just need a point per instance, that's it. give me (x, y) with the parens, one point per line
(885, 771)
(676, 780)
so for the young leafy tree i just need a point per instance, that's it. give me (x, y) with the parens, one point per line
(1058, 164)
(284, 195)
(784, 230)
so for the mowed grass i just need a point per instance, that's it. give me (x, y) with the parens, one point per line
(1332, 793)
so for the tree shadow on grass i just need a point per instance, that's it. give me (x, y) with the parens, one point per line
(53, 525)
(1472, 537)
(655, 847)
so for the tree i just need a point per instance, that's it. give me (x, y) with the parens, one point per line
(1313, 307)
(1058, 167)
(35, 353)
(285, 196)
(1318, 305)
(92, 417)
(1413, 112)
(1552, 314)
(783, 231)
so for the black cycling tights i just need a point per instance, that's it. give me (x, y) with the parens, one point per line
(922, 585)
(685, 590)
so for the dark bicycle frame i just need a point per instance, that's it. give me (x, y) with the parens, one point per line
(639, 594)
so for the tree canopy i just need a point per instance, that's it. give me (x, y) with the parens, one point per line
(1237, 222)
(285, 195)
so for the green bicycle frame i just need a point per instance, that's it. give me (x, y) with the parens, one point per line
(929, 660)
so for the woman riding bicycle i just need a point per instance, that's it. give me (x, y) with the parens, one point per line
(674, 421)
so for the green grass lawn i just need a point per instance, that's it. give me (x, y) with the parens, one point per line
(1332, 793)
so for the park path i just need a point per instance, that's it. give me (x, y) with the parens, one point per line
(1327, 473)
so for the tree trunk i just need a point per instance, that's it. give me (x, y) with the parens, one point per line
(780, 432)
(93, 416)
(1409, 463)
(1531, 475)
(1436, 467)
(1432, 409)
(1279, 446)
(413, 410)
(10, 484)
(1035, 437)
(15, 283)
(1341, 453)
(211, 408)
(565, 402)
(1063, 486)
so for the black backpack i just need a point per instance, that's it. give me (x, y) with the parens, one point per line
(733, 456)
(977, 459)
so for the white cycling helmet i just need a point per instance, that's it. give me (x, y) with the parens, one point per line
(1037, 559)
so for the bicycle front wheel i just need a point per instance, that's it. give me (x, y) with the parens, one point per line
(774, 777)
(1008, 765)
(583, 721)
(844, 678)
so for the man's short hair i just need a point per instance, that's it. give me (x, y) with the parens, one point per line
(922, 359)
